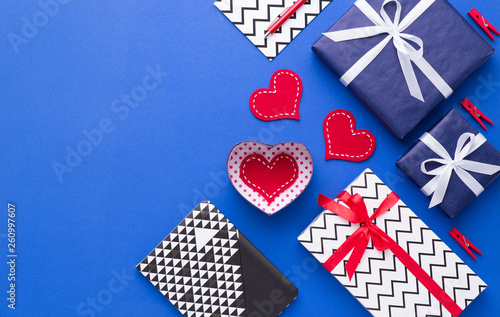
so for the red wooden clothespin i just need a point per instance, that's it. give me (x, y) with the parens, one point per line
(475, 112)
(466, 244)
(483, 23)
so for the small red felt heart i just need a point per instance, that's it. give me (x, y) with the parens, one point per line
(281, 101)
(269, 178)
(343, 142)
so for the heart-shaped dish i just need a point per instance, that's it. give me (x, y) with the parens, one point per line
(270, 177)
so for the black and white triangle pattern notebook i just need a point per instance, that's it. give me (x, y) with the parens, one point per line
(206, 267)
(253, 17)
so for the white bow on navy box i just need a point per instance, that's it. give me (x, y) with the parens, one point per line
(438, 185)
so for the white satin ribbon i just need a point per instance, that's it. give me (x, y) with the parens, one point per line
(467, 143)
(406, 52)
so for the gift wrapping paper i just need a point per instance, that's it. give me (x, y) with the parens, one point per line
(447, 132)
(381, 283)
(253, 17)
(450, 45)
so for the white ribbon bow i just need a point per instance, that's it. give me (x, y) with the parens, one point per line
(467, 143)
(406, 52)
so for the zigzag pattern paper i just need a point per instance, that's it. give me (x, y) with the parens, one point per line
(253, 17)
(381, 283)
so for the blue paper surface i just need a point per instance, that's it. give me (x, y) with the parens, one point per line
(447, 132)
(451, 46)
(79, 240)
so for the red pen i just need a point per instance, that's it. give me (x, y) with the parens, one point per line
(283, 16)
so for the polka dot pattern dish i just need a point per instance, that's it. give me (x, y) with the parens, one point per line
(270, 177)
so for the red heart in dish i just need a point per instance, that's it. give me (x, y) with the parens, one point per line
(269, 178)
(273, 176)
(343, 142)
(281, 101)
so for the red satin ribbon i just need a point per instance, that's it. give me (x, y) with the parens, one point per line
(359, 240)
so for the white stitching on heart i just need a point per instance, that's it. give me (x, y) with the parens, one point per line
(286, 196)
(352, 130)
(297, 80)
(242, 169)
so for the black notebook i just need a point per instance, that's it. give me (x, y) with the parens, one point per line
(206, 267)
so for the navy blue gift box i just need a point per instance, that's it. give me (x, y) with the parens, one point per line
(450, 45)
(447, 131)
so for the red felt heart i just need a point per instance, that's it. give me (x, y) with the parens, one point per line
(281, 101)
(269, 178)
(343, 142)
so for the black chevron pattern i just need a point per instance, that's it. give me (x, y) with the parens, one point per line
(381, 282)
(252, 17)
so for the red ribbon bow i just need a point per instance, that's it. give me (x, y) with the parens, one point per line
(359, 240)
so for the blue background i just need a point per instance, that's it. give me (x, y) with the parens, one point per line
(77, 233)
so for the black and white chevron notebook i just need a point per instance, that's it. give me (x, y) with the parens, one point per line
(206, 267)
(381, 283)
(253, 17)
